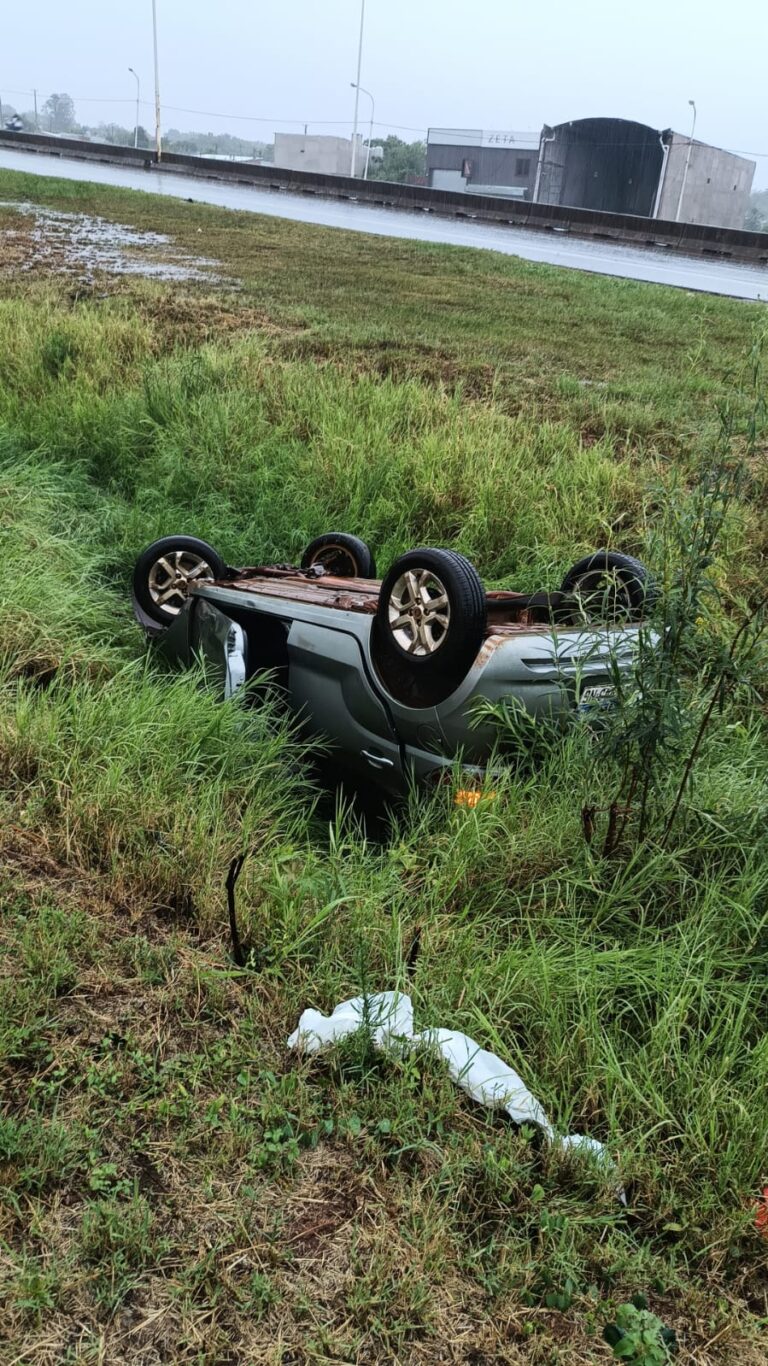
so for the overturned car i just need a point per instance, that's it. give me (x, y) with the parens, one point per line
(390, 672)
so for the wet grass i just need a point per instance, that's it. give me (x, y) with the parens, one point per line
(175, 1186)
(534, 335)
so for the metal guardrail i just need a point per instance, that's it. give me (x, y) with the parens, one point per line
(694, 239)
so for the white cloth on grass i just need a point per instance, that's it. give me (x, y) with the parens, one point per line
(388, 1016)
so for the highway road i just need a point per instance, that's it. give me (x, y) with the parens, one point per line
(603, 258)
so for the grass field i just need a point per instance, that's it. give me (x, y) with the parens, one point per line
(175, 1185)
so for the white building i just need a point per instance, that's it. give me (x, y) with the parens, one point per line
(316, 152)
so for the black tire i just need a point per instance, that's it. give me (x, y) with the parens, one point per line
(341, 554)
(423, 655)
(186, 558)
(611, 585)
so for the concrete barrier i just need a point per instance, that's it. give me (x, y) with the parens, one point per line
(693, 239)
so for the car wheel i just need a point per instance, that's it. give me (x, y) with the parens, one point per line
(609, 585)
(341, 554)
(166, 570)
(430, 624)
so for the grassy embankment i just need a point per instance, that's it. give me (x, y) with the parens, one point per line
(175, 1187)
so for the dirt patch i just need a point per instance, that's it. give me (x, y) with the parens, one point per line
(194, 317)
(321, 1205)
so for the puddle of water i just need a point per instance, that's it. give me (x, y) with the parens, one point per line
(90, 244)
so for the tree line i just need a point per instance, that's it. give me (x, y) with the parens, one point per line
(400, 161)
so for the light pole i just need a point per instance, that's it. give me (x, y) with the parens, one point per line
(363, 91)
(356, 84)
(687, 163)
(158, 135)
(138, 102)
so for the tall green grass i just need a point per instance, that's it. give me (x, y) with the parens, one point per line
(270, 454)
(630, 993)
(257, 457)
(138, 773)
(53, 607)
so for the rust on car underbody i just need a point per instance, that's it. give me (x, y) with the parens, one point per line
(507, 611)
(488, 648)
(295, 585)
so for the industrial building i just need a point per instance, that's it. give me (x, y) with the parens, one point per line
(716, 185)
(608, 165)
(316, 152)
(482, 162)
(618, 166)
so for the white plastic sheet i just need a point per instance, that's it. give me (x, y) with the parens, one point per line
(485, 1077)
(388, 1016)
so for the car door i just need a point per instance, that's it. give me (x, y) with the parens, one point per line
(331, 690)
(222, 645)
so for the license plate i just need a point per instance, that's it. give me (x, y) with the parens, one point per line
(600, 697)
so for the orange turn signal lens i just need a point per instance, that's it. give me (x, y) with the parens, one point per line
(471, 797)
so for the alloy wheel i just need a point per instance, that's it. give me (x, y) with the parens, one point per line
(419, 612)
(170, 578)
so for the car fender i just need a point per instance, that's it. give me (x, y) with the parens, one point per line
(544, 671)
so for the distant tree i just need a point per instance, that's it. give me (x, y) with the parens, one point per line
(121, 137)
(400, 160)
(756, 219)
(186, 143)
(112, 132)
(58, 114)
(214, 144)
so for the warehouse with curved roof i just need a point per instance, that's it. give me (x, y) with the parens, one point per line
(618, 166)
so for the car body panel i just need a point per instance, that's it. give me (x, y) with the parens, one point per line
(222, 646)
(321, 644)
(544, 671)
(332, 694)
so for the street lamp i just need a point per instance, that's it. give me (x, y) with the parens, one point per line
(687, 163)
(356, 84)
(138, 102)
(158, 135)
(363, 91)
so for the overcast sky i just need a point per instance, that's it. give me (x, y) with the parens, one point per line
(494, 64)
